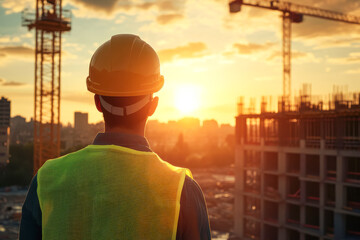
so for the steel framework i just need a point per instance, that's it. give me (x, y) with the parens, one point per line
(292, 13)
(49, 21)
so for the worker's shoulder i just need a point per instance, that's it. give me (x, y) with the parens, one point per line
(62, 159)
(191, 191)
(96, 152)
(192, 184)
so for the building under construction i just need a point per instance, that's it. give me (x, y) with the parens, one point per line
(298, 170)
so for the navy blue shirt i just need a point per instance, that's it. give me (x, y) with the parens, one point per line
(193, 221)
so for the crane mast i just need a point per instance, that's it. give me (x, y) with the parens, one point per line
(49, 22)
(291, 13)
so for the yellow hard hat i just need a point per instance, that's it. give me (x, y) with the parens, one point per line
(124, 66)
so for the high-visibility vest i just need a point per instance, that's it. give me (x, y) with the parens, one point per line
(109, 192)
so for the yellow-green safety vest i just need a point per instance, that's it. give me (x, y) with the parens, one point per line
(109, 192)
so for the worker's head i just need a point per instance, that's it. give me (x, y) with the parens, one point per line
(124, 73)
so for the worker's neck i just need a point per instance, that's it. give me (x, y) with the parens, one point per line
(139, 130)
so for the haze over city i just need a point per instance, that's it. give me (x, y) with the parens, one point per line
(208, 57)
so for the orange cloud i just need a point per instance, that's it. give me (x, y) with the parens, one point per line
(316, 27)
(167, 5)
(353, 58)
(297, 56)
(16, 50)
(109, 8)
(345, 41)
(191, 50)
(345, 6)
(5, 83)
(267, 51)
(168, 18)
(250, 48)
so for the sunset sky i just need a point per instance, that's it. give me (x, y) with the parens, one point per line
(206, 54)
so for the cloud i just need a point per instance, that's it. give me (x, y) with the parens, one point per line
(160, 11)
(111, 6)
(162, 5)
(336, 42)
(28, 52)
(313, 27)
(191, 50)
(13, 83)
(15, 53)
(296, 56)
(353, 58)
(23, 51)
(8, 39)
(5, 83)
(107, 6)
(344, 6)
(165, 10)
(168, 18)
(317, 28)
(267, 51)
(16, 6)
(250, 48)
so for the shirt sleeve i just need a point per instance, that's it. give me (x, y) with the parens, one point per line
(30, 226)
(193, 221)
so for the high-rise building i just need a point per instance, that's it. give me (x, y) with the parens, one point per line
(80, 121)
(4, 131)
(22, 132)
(298, 171)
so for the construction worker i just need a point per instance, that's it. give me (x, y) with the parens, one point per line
(117, 188)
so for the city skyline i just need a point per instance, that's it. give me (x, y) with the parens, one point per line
(201, 122)
(202, 48)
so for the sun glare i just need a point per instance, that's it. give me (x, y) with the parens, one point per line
(187, 98)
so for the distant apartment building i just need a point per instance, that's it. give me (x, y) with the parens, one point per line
(4, 131)
(80, 121)
(81, 134)
(22, 132)
(298, 172)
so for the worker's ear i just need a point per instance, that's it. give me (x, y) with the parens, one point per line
(97, 102)
(153, 105)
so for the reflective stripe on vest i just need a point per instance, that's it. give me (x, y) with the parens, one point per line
(109, 192)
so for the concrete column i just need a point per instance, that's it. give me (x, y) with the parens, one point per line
(339, 218)
(302, 236)
(339, 187)
(302, 186)
(262, 189)
(339, 225)
(322, 160)
(239, 188)
(282, 191)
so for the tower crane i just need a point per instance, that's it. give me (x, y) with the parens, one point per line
(291, 13)
(49, 21)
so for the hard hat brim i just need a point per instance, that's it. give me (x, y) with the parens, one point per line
(94, 87)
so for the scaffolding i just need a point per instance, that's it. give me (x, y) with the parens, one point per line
(335, 121)
(298, 168)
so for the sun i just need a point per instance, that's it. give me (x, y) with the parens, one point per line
(187, 98)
